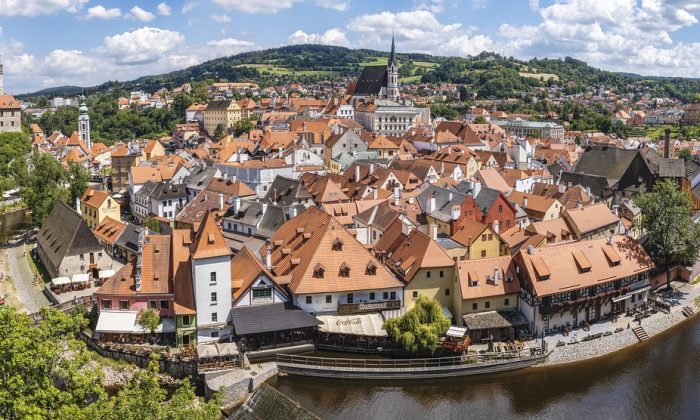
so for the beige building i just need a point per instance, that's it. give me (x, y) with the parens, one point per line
(10, 114)
(225, 113)
(123, 158)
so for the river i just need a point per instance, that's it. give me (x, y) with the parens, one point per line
(13, 223)
(658, 379)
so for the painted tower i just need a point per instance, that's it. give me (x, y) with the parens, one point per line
(392, 86)
(84, 123)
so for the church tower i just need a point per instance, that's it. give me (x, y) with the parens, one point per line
(2, 88)
(84, 123)
(392, 86)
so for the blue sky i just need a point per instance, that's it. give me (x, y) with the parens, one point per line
(84, 42)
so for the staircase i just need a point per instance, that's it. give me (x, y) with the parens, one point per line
(640, 333)
(688, 311)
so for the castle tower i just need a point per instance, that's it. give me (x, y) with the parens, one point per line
(392, 88)
(2, 88)
(84, 123)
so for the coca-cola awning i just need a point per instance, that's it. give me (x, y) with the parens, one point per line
(371, 325)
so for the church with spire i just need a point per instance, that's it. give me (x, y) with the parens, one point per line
(380, 81)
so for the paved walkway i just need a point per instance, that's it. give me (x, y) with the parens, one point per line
(29, 294)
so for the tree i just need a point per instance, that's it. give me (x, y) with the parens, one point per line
(685, 153)
(44, 185)
(219, 131)
(419, 329)
(78, 178)
(152, 224)
(666, 217)
(14, 148)
(149, 320)
(480, 120)
(242, 127)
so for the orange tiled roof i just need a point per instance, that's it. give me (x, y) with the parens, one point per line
(209, 242)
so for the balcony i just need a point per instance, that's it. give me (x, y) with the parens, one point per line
(372, 306)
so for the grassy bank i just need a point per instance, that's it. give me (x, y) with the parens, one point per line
(9, 208)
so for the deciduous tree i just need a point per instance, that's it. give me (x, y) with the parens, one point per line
(419, 329)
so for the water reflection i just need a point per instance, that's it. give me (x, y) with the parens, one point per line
(656, 379)
(12, 223)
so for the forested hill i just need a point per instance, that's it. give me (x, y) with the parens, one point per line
(489, 74)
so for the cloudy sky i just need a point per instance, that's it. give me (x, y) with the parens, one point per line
(48, 43)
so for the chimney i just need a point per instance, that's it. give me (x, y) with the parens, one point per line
(357, 173)
(562, 188)
(433, 231)
(476, 189)
(496, 226)
(292, 212)
(456, 210)
(442, 168)
(397, 196)
(264, 209)
(667, 143)
(77, 206)
(531, 250)
(410, 199)
(236, 204)
(405, 227)
(610, 239)
(206, 198)
(375, 194)
(221, 201)
(496, 273)
(430, 205)
(268, 255)
(449, 196)
(371, 169)
(524, 204)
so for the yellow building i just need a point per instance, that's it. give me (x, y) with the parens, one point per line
(123, 158)
(480, 240)
(225, 113)
(486, 290)
(153, 149)
(95, 205)
(425, 268)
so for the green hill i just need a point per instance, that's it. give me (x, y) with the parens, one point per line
(488, 74)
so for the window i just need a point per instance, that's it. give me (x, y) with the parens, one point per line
(123, 305)
(506, 302)
(393, 295)
(500, 209)
(329, 299)
(385, 295)
(442, 274)
(106, 304)
(153, 304)
(214, 317)
(308, 300)
(487, 304)
(484, 237)
(447, 292)
(213, 298)
(415, 295)
(371, 295)
(351, 298)
(214, 334)
(99, 255)
(82, 257)
(475, 306)
(185, 320)
(490, 236)
(212, 277)
(483, 253)
(427, 274)
(164, 305)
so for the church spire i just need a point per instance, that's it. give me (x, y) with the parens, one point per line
(392, 56)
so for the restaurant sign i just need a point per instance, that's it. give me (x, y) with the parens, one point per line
(373, 306)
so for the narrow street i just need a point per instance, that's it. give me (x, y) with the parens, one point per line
(29, 294)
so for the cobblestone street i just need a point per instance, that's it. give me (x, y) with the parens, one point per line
(29, 294)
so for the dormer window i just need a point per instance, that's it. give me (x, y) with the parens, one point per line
(319, 270)
(371, 269)
(344, 270)
(337, 245)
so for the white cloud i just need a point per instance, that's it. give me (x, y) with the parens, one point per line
(142, 45)
(332, 36)
(70, 63)
(340, 6)
(221, 18)
(620, 35)
(39, 7)
(163, 9)
(138, 13)
(256, 6)
(534, 5)
(188, 6)
(418, 31)
(100, 12)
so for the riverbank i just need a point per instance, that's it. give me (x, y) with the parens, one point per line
(576, 350)
(12, 206)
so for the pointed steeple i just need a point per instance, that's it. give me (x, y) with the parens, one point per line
(392, 56)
